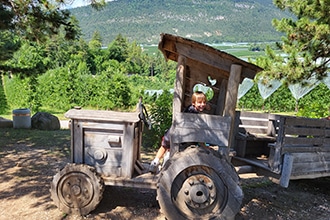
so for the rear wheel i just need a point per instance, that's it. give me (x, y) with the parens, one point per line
(77, 189)
(198, 184)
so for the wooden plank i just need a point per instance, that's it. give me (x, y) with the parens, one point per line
(201, 128)
(145, 181)
(276, 148)
(309, 157)
(312, 175)
(301, 141)
(198, 67)
(286, 170)
(253, 130)
(221, 97)
(297, 149)
(179, 85)
(304, 122)
(204, 56)
(308, 168)
(231, 99)
(213, 59)
(326, 142)
(304, 131)
(254, 121)
(257, 115)
(249, 69)
(128, 151)
(257, 123)
(101, 115)
(77, 147)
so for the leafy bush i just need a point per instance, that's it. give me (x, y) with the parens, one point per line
(160, 111)
(316, 104)
(3, 100)
(17, 92)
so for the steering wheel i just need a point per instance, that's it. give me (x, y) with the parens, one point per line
(143, 115)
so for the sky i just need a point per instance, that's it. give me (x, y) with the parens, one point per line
(78, 3)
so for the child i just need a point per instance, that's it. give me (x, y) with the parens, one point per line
(198, 104)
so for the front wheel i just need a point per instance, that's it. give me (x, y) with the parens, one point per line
(77, 188)
(198, 184)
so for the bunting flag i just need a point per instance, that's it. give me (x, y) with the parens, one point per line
(266, 90)
(244, 87)
(299, 90)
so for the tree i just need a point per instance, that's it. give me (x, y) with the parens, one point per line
(118, 49)
(306, 42)
(35, 21)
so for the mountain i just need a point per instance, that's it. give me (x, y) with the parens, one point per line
(207, 21)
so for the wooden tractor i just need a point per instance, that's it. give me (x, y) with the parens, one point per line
(196, 182)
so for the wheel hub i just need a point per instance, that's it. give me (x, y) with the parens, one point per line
(199, 191)
(75, 190)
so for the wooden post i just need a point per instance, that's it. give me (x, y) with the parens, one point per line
(221, 97)
(231, 99)
(179, 85)
(178, 96)
(286, 170)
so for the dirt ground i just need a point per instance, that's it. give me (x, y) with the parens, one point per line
(26, 173)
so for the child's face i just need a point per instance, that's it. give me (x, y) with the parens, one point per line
(200, 105)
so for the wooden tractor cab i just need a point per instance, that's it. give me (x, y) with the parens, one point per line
(196, 182)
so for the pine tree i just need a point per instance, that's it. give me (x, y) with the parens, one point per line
(306, 44)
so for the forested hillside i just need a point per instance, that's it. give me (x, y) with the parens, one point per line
(208, 21)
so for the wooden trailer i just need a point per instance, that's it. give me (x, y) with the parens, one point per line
(282, 147)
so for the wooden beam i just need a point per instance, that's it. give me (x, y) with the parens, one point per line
(213, 59)
(221, 98)
(179, 85)
(231, 98)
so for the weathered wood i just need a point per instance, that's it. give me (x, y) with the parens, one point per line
(303, 170)
(210, 129)
(310, 157)
(207, 70)
(256, 123)
(304, 148)
(179, 85)
(128, 160)
(171, 46)
(255, 131)
(303, 139)
(77, 155)
(146, 181)
(101, 115)
(108, 141)
(221, 98)
(231, 99)
(231, 96)
(286, 170)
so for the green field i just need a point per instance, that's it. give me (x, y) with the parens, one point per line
(239, 50)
